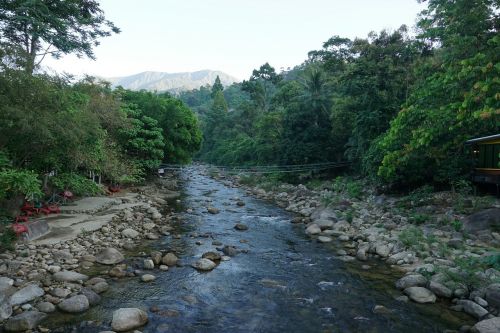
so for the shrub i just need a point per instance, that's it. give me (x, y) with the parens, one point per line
(419, 218)
(7, 238)
(353, 188)
(14, 182)
(468, 271)
(419, 197)
(457, 225)
(77, 184)
(412, 237)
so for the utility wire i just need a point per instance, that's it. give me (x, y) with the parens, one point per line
(269, 168)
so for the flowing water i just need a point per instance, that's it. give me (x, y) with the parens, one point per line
(286, 282)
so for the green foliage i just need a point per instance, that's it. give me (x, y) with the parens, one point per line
(419, 197)
(31, 30)
(4, 160)
(419, 218)
(353, 188)
(468, 271)
(142, 139)
(412, 237)
(455, 98)
(217, 87)
(492, 261)
(179, 125)
(349, 215)
(457, 225)
(19, 182)
(7, 239)
(75, 183)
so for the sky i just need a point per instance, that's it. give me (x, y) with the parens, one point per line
(234, 36)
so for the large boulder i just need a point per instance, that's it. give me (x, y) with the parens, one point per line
(204, 264)
(75, 304)
(313, 229)
(118, 271)
(100, 287)
(487, 326)
(27, 294)
(126, 319)
(492, 295)
(322, 213)
(420, 295)
(46, 307)
(473, 308)
(324, 223)
(69, 276)
(440, 289)
(170, 259)
(488, 219)
(130, 233)
(214, 256)
(91, 295)
(110, 256)
(412, 280)
(5, 283)
(25, 321)
(399, 256)
(5, 307)
(213, 210)
(382, 250)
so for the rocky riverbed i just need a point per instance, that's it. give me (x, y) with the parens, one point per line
(436, 261)
(226, 262)
(69, 275)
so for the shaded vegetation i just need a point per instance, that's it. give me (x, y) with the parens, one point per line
(398, 106)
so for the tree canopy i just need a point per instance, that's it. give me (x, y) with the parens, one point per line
(32, 29)
(398, 106)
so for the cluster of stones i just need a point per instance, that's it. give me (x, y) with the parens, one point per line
(37, 280)
(374, 232)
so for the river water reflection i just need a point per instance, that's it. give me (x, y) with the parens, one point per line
(286, 282)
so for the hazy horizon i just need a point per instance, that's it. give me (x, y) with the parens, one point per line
(234, 37)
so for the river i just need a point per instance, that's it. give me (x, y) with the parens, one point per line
(285, 282)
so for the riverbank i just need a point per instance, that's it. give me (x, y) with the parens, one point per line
(443, 245)
(67, 270)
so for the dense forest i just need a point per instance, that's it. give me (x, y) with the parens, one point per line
(56, 130)
(397, 104)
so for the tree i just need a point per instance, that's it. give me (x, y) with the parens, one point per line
(217, 86)
(375, 85)
(455, 99)
(306, 124)
(262, 85)
(214, 121)
(31, 30)
(142, 139)
(180, 129)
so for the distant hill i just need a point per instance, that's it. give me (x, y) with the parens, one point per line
(172, 82)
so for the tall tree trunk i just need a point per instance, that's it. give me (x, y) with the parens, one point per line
(31, 56)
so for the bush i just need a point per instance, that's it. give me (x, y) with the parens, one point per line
(412, 237)
(353, 188)
(75, 183)
(418, 197)
(469, 271)
(7, 238)
(419, 218)
(14, 182)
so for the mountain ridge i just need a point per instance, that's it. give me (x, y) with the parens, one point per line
(171, 82)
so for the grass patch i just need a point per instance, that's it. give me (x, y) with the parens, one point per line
(351, 187)
(469, 271)
(7, 239)
(412, 237)
(420, 197)
(419, 219)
